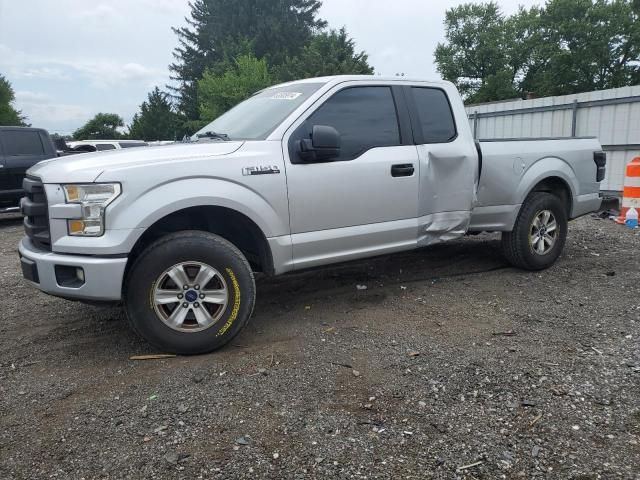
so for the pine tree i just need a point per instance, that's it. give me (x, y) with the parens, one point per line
(219, 31)
(156, 120)
(327, 53)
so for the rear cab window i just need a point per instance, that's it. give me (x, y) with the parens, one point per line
(435, 117)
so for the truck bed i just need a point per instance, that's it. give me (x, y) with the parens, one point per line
(511, 168)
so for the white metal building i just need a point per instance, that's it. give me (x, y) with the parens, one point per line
(611, 115)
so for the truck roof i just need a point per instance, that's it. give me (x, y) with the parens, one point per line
(355, 78)
(33, 129)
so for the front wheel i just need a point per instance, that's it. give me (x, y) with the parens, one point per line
(190, 292)
(539, 234)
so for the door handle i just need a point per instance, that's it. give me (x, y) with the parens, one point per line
(402, 170)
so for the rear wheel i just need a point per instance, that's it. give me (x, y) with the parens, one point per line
(190, 292)
(539, 234)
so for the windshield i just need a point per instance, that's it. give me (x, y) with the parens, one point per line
(258, 116)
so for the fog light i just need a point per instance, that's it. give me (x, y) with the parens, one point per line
(69, 277)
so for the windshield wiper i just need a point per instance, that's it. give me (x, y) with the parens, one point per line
(215, 135)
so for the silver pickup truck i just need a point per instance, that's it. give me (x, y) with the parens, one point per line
(300, 175)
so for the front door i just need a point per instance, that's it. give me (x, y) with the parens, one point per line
(364, 201)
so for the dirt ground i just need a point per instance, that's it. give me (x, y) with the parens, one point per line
(448, 365)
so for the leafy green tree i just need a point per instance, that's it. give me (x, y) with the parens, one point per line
(220, 30)
(475, 55)
(327, 53)
(103, 126)
(567, 46)
(9, 116)
(218, 93)
(156, 120)
(584, 45)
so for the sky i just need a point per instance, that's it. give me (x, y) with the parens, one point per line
(70, 59)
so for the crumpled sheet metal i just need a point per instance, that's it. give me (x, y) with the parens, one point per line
(442, 227)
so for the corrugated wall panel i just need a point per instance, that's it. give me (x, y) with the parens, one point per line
(617, 124)
(633, 124)
(620, 124)
(617, 163)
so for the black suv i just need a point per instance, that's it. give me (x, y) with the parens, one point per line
(20, 148)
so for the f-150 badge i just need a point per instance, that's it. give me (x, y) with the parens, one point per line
(261, 170)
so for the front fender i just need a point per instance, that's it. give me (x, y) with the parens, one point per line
(143, 210)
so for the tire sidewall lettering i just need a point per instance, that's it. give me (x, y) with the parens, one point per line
(236, 303)
(151, 290)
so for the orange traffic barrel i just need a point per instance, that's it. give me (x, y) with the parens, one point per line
(631, 193)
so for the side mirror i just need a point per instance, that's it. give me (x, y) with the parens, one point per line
(323, 145)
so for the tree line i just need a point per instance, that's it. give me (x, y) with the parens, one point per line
(230, 49)
(565, 47)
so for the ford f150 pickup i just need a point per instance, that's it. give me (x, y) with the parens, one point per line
(300, 175)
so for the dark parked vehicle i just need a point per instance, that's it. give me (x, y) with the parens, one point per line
(20, 149)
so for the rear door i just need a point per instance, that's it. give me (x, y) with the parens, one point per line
(448, 163)
(364, 201)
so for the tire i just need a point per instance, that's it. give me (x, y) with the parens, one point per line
(199, 318)
(520, 246)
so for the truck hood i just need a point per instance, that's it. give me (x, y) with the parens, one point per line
(87, 167)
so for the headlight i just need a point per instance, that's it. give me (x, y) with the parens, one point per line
(93, 198)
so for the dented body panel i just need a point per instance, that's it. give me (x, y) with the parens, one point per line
(448, 180)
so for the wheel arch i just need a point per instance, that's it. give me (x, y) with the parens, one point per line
(552, 175)
(233, 226)
(556, 186)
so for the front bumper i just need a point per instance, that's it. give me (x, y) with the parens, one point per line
(101, 277)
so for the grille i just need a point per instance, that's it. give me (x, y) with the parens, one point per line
(36, 213)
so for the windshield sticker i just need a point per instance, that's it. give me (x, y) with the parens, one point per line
(285, 96)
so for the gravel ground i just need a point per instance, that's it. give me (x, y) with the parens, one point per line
(449, 365)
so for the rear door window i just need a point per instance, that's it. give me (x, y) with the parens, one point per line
(19, 142)
(435, 116)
